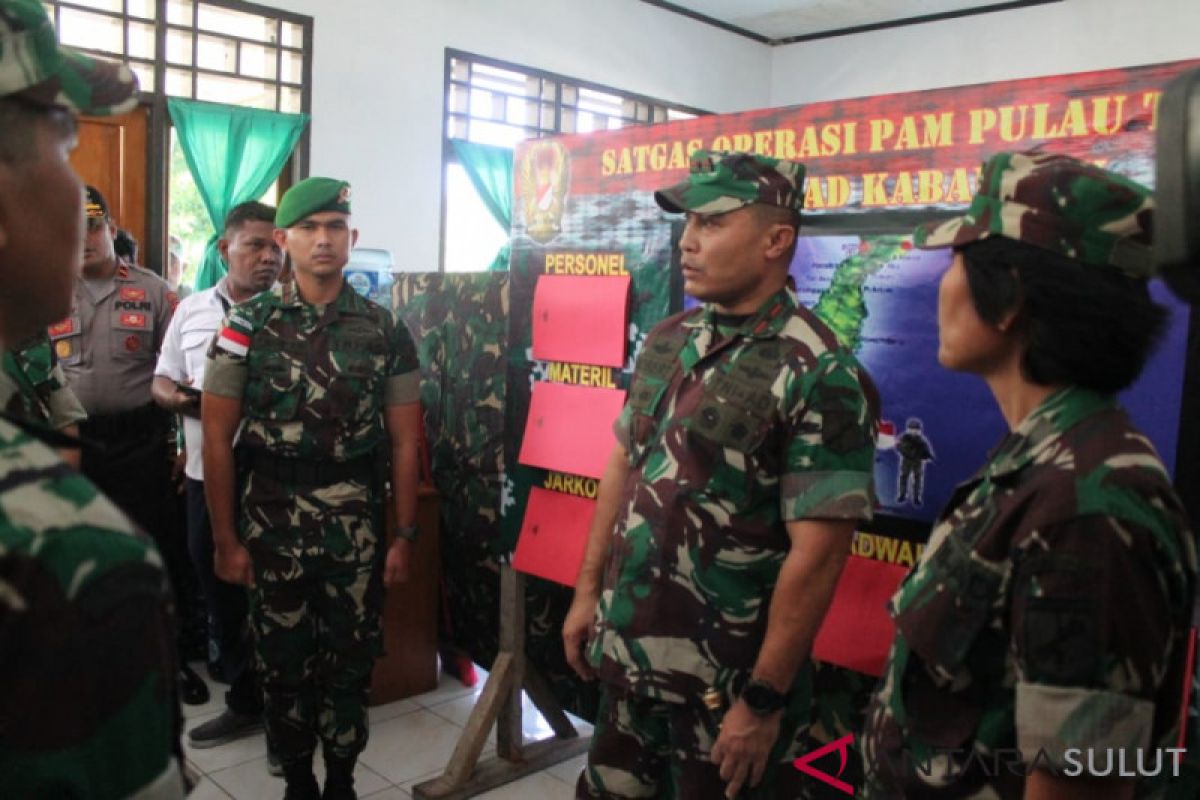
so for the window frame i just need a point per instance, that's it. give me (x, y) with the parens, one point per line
(155, 100)
(653, 105)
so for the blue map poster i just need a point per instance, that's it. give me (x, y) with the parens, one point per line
(879, 294)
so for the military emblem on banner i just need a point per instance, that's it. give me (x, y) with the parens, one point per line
(544, 176)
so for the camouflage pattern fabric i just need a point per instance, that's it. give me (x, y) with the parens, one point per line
(460, 323)
(313, 380)
(88, 705)
(34, 387)
(719, 182)
(1057, 203)
(313, 383)
(649, 748)
(728, 437)
(1049, 611)
(34, 68)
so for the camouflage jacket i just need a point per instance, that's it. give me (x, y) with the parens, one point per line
(34, 387)
(1048, 612)
(87, 674)
(313, 381)
(729, 437)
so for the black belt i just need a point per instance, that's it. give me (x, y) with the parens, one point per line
(308, 471)
(141, 421)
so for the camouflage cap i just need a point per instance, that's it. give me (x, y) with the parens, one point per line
(1057, 203)
(33, 67)
(310, 196)
(718, 182)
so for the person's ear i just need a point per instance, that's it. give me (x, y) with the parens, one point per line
(779, 240)
(280, 236)
(353, 237)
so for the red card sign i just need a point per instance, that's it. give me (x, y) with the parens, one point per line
(554, 535)
(569, 428)
(581, 319)
(857, 632)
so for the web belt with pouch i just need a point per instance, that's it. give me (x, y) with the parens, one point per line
(308, 471)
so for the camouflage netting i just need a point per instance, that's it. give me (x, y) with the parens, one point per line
(460, 325)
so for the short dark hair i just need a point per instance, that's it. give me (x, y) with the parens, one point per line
(1083, 324)
(250, 211)
(18, 125)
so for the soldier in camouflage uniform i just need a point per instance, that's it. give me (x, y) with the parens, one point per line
(328, 386)
(914, 450)
(88, 703)
(725, 515)
(33, 387)
(1050, 610)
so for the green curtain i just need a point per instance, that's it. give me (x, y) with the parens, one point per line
(491, 172)
(234, 155)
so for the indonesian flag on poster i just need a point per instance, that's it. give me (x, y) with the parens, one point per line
(234, 338)
(887, 435)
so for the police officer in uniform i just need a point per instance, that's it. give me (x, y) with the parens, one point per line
(327, 386)
(88, 704)
(107, 347)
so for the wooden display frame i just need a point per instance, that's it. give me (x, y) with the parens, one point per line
(500, 705)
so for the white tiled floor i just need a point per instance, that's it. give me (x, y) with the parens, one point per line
(411, 742)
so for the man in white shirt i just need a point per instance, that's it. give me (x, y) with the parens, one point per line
(248, 247)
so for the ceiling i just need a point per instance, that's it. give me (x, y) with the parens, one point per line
(788, 21)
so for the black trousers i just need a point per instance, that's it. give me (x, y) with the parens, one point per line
(128, 457)
(227, 610)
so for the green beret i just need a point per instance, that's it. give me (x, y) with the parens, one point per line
(310, 196)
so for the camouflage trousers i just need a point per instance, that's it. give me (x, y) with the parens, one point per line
(315, 611)
(646, 748)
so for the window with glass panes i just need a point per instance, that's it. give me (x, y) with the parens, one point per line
(217, 50)
(497, 103)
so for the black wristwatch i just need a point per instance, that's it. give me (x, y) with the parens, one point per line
(762, 698)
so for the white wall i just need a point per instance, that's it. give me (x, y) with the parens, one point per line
(378, 79)
(1072, 36)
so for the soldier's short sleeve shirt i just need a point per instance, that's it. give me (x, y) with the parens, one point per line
(1048, 612)
(729, 435)
(313, 380)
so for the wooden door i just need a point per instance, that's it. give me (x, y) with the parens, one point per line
(112, 155)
